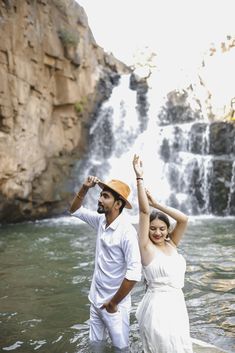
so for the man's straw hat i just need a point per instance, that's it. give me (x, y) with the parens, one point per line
(119, 187)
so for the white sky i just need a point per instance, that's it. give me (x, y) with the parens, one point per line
(179, 30)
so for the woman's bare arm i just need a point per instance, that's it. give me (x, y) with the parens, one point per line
(143, 206)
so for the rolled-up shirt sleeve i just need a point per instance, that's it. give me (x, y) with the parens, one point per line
(132, 256)
(90, 217)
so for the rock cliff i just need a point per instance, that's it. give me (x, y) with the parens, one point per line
(53, 77)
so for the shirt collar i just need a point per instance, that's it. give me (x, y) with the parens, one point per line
(115, 223)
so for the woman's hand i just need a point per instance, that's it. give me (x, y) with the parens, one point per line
(138, 166)
(151, 200)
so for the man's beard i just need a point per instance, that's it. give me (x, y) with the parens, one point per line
(100, 209)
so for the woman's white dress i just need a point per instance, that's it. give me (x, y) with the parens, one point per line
(162, 313)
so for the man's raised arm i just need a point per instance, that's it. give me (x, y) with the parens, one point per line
(90, 182)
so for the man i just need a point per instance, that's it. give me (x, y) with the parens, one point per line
(117, 261)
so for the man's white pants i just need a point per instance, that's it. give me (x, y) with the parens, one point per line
(115, 324)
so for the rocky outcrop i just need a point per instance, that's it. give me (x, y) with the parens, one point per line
(200, 159)
(53, 77)
(178, 109)
(200, 154)
(140, 85)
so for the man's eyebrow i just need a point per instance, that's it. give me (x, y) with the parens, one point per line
(104, 192)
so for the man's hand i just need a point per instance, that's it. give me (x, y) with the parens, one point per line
(124, 289)
(110, 307)
(91, 181)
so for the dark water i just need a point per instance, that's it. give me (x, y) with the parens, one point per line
(46, 269)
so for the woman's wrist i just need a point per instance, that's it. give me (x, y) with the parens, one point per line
(139, 181)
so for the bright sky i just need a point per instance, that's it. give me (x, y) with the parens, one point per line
(178, 30)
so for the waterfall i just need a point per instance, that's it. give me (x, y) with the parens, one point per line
(231, 199)
(174, 142)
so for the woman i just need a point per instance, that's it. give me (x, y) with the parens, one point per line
(162, 314)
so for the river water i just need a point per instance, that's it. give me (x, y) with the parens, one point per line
(46, 270)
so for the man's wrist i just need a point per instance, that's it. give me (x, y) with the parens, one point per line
(85, 187)
(112, 305)
(79, 196)
(82, 192)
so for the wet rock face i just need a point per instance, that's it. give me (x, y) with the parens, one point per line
(207, 175)
(177, 110)
(140, 85)
(53, 77)
(222, 138)
(220, 187)
(197, 140)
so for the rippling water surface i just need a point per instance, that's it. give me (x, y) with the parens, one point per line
(46, 270)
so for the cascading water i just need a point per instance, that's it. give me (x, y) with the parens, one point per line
(174, 143)
(232, 191)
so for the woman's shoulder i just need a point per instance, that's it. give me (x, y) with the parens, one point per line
(171, 242)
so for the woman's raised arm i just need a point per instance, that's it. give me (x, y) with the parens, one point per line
(180, 218)
(143, 205)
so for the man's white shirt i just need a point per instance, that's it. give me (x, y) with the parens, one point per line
(117, 255)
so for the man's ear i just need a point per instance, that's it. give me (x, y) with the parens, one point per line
(119, 203)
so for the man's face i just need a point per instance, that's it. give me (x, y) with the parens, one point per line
(106, 202)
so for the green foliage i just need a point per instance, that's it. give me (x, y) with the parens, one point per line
(68, 38)
(80, 105)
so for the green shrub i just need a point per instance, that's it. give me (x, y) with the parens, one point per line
(67, 37)
(79, 107)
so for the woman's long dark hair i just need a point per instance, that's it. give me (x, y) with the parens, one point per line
(159, 215)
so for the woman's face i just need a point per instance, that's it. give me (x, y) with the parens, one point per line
(158, 231)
